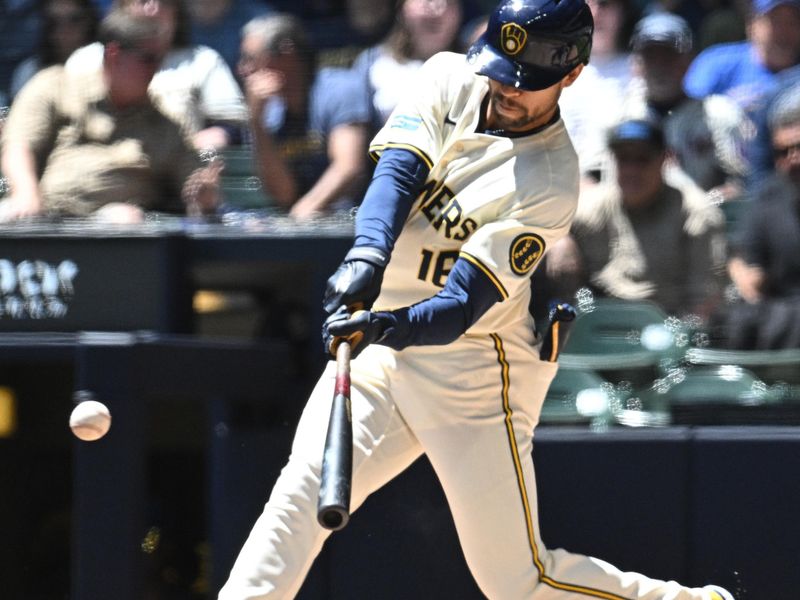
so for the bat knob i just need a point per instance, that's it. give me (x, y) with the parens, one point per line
(563, 312)
(333, 518)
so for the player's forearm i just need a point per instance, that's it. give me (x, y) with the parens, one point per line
(19, 167)
(441, 319)
(275, 174)
(346, 145)
(397, 180)
(332, 184)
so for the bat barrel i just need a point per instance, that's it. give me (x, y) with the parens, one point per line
(333, 507)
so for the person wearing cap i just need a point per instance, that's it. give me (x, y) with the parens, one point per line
(705, 136)
(747, 70)
(764, 261)
(638, 238)
(662, 50)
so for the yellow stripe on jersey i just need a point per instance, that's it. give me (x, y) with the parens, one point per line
(523, 490)
(375, 152)
(492, 277)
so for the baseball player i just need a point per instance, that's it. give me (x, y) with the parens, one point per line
(476, 178)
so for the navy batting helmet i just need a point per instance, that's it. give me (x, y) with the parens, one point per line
(533, 44)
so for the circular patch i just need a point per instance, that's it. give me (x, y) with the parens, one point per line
(526, 250)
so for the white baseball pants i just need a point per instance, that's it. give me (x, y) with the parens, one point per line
(471, 407)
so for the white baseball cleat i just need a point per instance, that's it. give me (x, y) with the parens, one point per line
(717, 593)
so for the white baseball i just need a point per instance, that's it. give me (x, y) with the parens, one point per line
(90, 420)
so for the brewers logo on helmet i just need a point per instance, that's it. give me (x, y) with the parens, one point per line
(534, 44)
(513, 38)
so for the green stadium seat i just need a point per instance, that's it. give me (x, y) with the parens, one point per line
(576, 397)
(725, 384)
(713, 395)
(631, 339)
(772, 366)
(238, 162)
(242, 193)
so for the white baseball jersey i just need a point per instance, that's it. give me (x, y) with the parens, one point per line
(470, 406)
(499, 202)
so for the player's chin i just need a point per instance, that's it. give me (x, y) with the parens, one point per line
(508, 116)
(507, 110)
(521, 122)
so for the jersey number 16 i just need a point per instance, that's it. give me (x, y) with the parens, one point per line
(435, 266)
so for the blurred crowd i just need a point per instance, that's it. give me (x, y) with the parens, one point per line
(686, 123)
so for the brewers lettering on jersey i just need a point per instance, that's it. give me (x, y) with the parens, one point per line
(476, 178)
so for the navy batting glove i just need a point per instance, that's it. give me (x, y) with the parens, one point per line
(357, 281)
(361, 329)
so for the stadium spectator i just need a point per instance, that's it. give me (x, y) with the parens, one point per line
(66, 26)
(725, 21)
(759, 150)
(422, 28)
(706, 137)
(309, 126)
(94, 144)
(369, 19)
(637, 238)
(193, 85)
(594, 104)
(764, 262)
(747, 71)
(693, 12)
(339, 36)
(661, 46)
(218, 24)
(19, 30)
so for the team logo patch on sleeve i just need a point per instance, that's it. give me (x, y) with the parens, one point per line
(526, 250)
(407, 122)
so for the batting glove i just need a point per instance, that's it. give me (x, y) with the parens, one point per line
(357, 281)
(361, 329)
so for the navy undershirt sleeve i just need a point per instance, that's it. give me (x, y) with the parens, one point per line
(466, 296)
(468, 292)
(396, 182)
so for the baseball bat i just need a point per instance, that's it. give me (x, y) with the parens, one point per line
(333, 506)
(557, 330)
